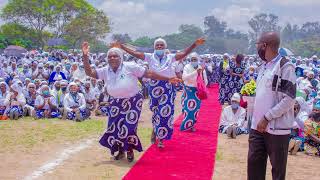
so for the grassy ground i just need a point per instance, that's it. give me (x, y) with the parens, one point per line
(27, 133)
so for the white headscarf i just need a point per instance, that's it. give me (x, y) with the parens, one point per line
(117, 51)
(195, 55)
(160, 40)
(17, 88)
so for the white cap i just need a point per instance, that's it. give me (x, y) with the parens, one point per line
(236, 97)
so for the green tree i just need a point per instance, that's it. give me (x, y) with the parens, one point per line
(87, 27)
(214, 27)
(42, 15)
(262, 23)
(123, 38)
(144, 41)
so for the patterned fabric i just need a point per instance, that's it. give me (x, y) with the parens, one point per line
(2, 110)
(162, 95)
(53, 114)
(15, 108)
(297, 135)
(123, 124)
(230, 84)
(312, 128)
(214, 76)
(239, 131)
(104, 109)
(191, 106)
(83, 114)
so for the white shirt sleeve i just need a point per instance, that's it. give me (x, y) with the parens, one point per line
(136, 69)
(241, 117)
(102, 73)
(38, 101)
(66, 103)
(147, 57)
(82, 101)
(188, 73)
(205, 78)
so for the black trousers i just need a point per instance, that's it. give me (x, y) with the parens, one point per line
(262, 145)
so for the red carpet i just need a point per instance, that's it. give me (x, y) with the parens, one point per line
(188, 155)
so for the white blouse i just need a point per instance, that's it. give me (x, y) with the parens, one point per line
(40, 100)
(21, 100)
(190, 75)
(124, 82)
(165, 67)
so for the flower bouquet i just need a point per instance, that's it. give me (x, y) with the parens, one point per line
(248, 93)
(249, 89)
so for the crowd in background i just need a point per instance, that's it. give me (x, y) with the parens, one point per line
(54, 85)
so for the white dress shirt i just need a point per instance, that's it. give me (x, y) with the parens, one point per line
(190, 75)
(124, 82)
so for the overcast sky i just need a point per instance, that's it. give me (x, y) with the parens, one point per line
(160, 17)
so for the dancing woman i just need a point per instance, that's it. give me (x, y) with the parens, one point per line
(121, 81)
(162, 93)
(191, 104)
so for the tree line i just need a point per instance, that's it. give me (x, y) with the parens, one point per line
(33, 23)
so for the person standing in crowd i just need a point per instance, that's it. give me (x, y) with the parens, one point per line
(162, 93)
(273, 114)
(235, 82)
(233, 118)
(224, 90)
(121, 79)
(191, 104)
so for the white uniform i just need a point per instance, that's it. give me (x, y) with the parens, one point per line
(124, 82)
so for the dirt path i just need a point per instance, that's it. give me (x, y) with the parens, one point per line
(231, 162)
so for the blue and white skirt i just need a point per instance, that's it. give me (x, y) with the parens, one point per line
(162, 95)
(122, 127)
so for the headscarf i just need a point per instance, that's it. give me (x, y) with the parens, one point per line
(117, 51)
(43, 87)
(195, 55)
(160, 40)
(73, 95)
(31, 84)
(17, 88)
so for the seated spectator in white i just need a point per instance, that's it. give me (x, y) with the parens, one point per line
(103, 103)
(98, 89)
(4, 91)
(15, 102)
(26, 73)
(301, 114)
(45, 104)
(40, 73)
(31, 96)
(233, 118)
(57, 74)
(89, 95)
(75, 104)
